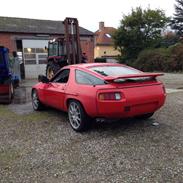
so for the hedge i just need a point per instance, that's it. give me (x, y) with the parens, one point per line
(161, 59)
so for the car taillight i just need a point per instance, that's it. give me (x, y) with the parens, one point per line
(110, 96)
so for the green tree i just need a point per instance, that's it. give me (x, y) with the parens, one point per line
(139, 30)
(177, 22)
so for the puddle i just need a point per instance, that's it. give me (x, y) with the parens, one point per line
(22, 95)
(21, 103)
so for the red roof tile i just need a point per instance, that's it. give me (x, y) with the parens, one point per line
(104, 36)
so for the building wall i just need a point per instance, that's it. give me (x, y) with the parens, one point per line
(32, 70)
(7, 40)
(105, 51)
(87, 46)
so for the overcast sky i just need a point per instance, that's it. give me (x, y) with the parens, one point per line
(88, 12)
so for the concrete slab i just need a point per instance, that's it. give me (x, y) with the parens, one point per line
(170, 90)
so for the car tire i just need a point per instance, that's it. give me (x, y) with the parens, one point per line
(145, 116)
(78, 118)
(36, 104)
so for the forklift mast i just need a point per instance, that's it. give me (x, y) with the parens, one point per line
(72, 41)
(65, 50)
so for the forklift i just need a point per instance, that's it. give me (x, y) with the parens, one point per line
(8, 79)
(65, 50)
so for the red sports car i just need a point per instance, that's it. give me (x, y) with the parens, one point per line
(100, 90)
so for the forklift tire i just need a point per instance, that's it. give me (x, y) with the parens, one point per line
(51, 69)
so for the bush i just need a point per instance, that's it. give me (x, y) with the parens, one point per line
(175, 62)
(161, 59)
(152, 59)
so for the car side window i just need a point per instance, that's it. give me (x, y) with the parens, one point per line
(87, 79)
(62, 77)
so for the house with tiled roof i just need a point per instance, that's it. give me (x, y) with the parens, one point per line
(104, 47)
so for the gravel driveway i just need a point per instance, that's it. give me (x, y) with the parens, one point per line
(42, 147)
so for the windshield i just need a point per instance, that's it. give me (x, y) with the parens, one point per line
(114, 70)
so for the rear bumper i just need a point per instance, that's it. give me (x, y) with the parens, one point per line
(135, 102)
(123, 110)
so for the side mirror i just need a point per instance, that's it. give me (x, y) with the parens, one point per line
(43, 79)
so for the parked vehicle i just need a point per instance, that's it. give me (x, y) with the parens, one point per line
(8, 78)
(100, 90)
(65, 50)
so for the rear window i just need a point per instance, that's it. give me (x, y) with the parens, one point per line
(87, 79)
(114, 70)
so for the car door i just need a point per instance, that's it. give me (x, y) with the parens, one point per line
(55, 91)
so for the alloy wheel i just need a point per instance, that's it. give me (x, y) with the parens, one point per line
(35, 100)
(74, 113)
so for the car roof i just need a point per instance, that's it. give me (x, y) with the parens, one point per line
(88, 65)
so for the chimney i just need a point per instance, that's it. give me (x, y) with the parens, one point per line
(101, 26)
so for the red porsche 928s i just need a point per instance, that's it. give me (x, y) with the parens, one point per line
(100, 90)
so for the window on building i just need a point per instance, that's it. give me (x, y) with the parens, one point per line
(108, 35)
(29, 50)
(35, 56)
(42, 59)
(41, 50)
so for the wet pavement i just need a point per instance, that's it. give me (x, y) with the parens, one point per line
(21, 103)
(23, 92)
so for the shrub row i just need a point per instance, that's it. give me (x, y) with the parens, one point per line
(161, 59)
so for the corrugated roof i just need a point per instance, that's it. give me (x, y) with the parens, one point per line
(104, 36)
(25, 25)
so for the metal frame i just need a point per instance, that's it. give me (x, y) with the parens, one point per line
(72, 39)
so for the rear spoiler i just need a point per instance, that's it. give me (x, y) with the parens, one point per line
(143, 75)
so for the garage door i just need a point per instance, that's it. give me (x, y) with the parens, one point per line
(35, 56)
